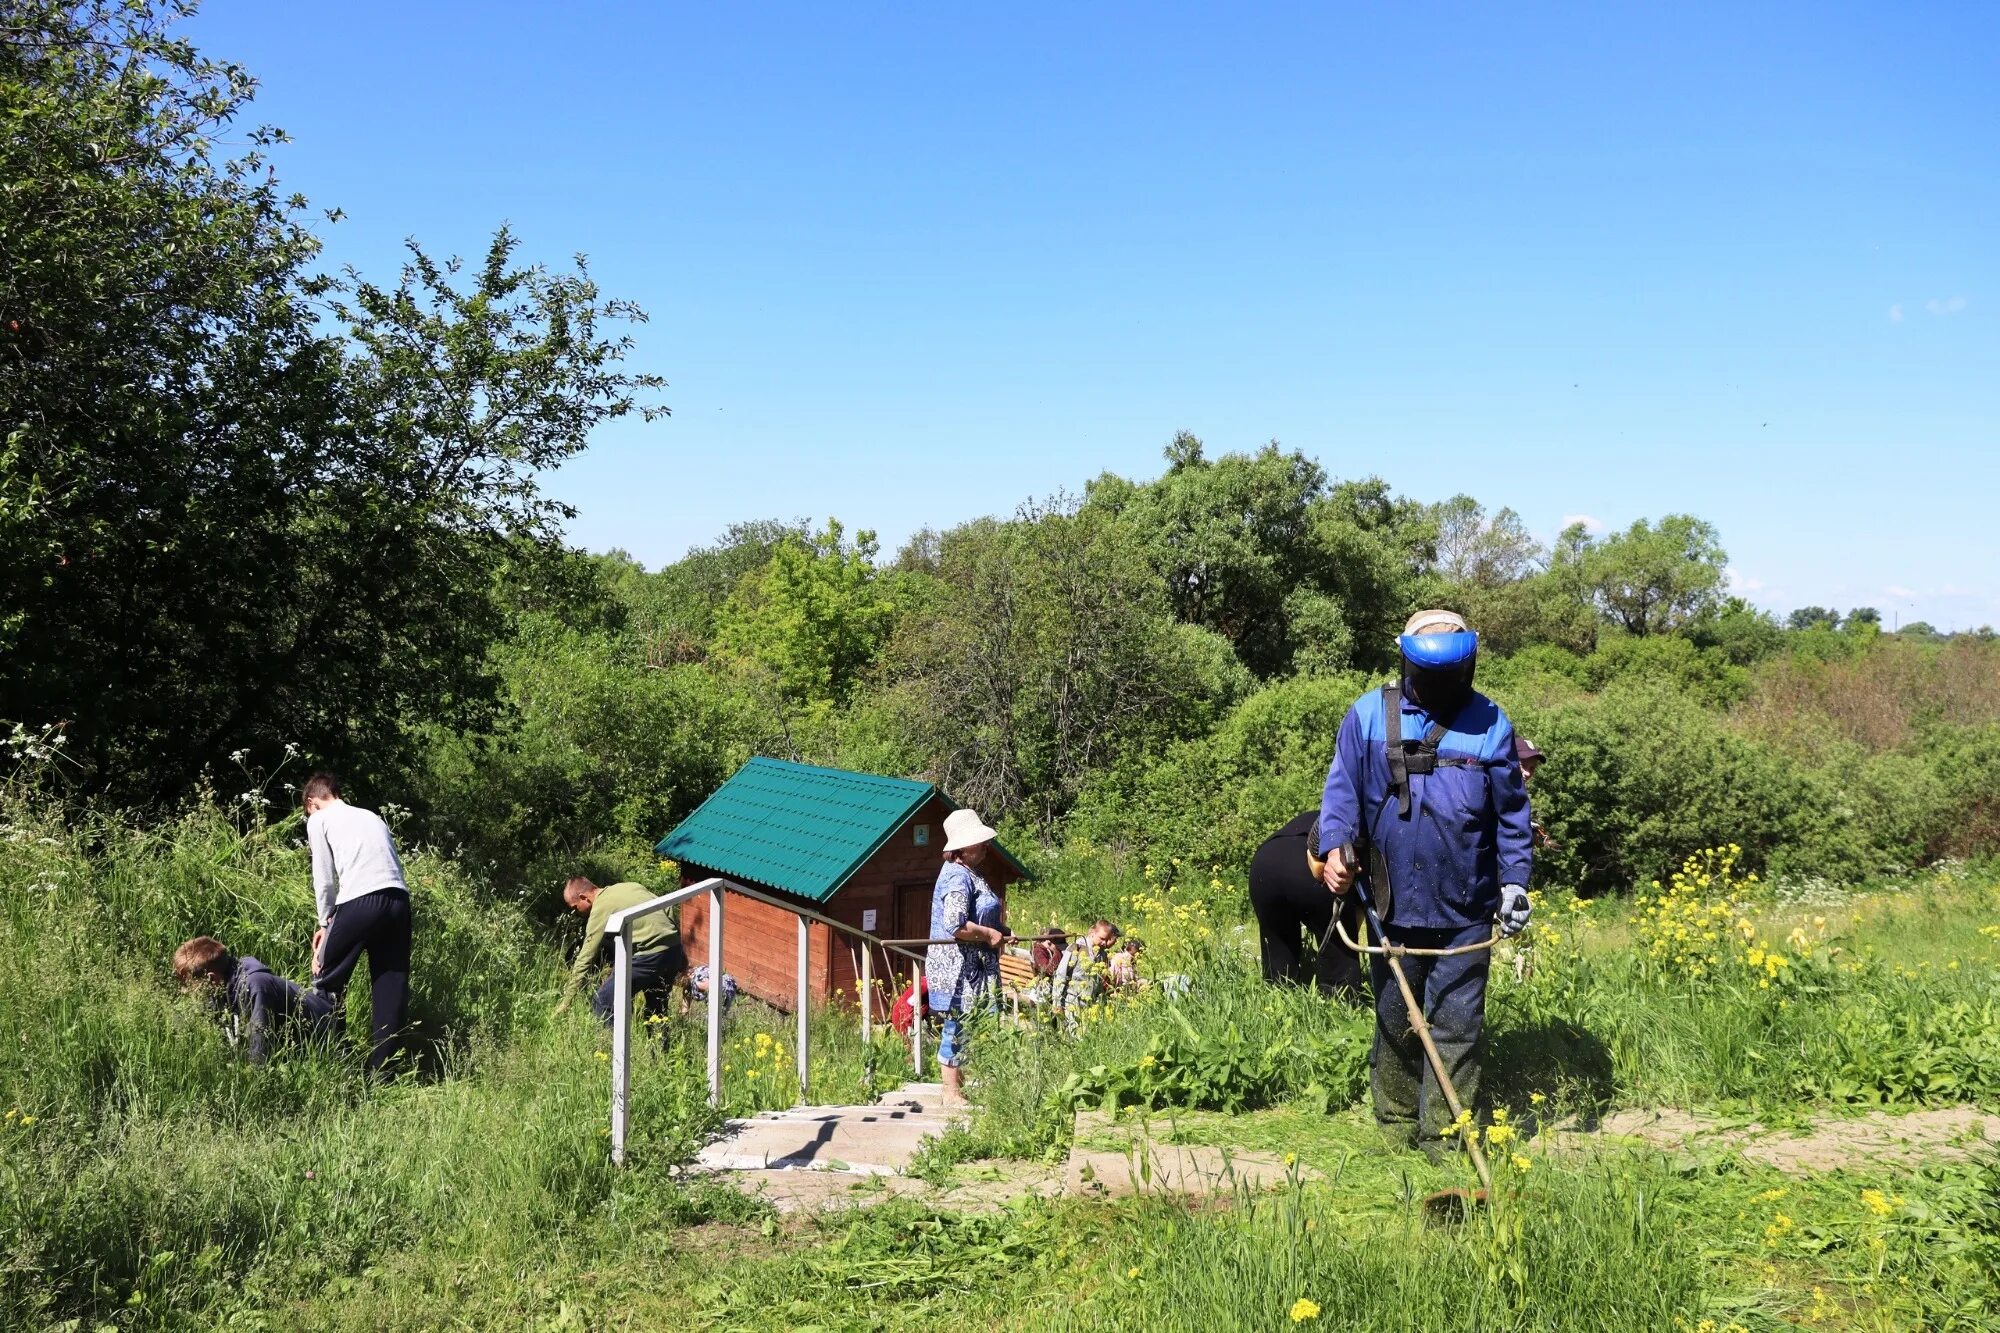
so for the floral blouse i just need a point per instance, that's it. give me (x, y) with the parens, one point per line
(958, 975)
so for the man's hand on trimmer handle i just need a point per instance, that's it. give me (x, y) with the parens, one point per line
(1514, 909)
(1339, 873)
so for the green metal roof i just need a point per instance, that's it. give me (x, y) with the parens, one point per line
(793, 826)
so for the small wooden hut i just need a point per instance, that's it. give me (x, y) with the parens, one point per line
(859, 848)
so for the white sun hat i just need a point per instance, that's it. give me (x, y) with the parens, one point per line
(962, 829)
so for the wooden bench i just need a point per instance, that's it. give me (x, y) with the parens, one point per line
(1017, 978)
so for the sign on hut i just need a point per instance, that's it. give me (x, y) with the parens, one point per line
(858, 848)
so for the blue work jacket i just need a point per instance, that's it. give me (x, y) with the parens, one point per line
(1468, 830)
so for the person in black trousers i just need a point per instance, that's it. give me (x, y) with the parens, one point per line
(1292, 904)
(364, 908)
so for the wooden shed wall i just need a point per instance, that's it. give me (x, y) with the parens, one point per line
(760, 942)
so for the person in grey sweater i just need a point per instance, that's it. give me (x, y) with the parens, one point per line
(364, 908)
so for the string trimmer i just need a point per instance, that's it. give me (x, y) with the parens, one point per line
(1444, 1202)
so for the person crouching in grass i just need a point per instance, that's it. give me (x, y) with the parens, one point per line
(257, 1007)
(657, 956)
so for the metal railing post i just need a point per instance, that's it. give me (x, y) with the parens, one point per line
(867, 993)
(917, 1023)
(805, 1007)
(715, 896)
(717, 889)
(621, 1043)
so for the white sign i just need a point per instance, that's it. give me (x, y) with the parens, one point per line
(868, 919)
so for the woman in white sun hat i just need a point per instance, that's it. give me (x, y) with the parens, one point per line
(963, 977)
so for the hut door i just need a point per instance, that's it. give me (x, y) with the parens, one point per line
(913, 909)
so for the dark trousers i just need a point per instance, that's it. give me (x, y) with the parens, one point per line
(653, 976)
(1452, 992)
(1291, 907)
(377, 924)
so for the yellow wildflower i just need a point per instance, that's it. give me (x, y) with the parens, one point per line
(1132, 1272)
(1520, 1163)
(1303, 1309)
(1877, 1202)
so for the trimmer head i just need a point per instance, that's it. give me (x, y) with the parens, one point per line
(1451, 1206)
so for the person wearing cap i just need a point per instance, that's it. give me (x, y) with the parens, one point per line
(1426, 789)
(1531, 759)
(962, 966)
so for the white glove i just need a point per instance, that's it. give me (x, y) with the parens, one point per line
(1514, 909)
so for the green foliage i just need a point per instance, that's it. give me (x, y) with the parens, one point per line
(1640, 775)
(1045, 654)
(242, 505)
(1258, 548)
(1213, 799)
(597, 755)
(1705, 675)
(1740, 632)
(814, 616)
(1647, 579)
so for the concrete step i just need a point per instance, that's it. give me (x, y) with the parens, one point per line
(873, 1140)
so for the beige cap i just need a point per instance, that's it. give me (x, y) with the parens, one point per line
(1435, 620)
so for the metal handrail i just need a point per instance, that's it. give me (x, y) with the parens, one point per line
(616, 927)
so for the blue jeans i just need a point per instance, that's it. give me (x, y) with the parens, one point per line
(958, 1023)
(1452, 992)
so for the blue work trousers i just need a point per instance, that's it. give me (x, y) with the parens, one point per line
(1452, 991)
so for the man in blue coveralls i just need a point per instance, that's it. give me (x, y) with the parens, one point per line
(1426, 788)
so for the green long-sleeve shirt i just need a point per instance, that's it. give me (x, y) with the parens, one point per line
(649, 934)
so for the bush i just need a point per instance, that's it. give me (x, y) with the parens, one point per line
(1641, 775)
(1212, 800)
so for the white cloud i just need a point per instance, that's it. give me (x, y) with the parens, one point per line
(1948, 305)
(1591, 525)
(1898, 590)
(1896, 314)
(1740, 582)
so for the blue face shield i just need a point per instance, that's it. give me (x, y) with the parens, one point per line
(1433, 651)
(1437, 670)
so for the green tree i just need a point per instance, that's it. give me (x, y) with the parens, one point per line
(1651, 579)
(1740, 632)
(1048, 652)
(1231, 538)
(595, 755)
(1806, 617)
(1497, 576)
(1295, 573)
(242, 505)
(815, 616)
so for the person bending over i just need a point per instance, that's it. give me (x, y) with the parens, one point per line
(364, 908)
(258, 1008)
(1291, 901)
(657, 956)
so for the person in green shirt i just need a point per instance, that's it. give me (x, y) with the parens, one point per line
(657, 956)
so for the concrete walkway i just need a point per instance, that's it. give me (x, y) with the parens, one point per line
(815, 1157)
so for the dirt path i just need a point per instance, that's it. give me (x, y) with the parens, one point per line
(1948, 1133)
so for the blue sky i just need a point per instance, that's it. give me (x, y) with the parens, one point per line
(913, 264)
